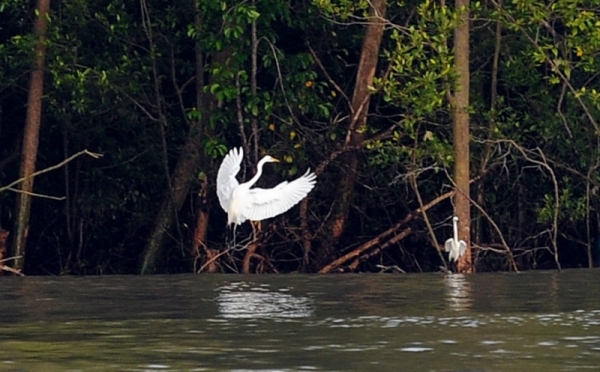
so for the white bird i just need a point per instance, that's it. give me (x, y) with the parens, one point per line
(243, 203)
(453, 245)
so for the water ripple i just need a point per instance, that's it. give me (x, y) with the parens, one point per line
(241, 301)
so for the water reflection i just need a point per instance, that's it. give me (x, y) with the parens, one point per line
(243, 301)
(458, 292)
(344, 323)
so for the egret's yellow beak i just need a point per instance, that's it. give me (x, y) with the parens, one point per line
(276, 160)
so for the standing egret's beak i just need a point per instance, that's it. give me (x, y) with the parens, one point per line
(275, 160)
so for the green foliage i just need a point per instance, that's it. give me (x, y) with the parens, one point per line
(421, 62)
(344, 9)
(572, 208)
(417, 84)
(215, 149)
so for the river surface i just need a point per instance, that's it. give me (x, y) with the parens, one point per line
(536, 321)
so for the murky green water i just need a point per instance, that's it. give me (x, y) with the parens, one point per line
(539, 321)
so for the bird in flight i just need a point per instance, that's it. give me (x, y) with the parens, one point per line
(241, 202)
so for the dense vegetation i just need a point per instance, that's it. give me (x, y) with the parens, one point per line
(163, 89)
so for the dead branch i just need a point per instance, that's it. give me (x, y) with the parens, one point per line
(404, 233)
(46, 170)
(380, 239)
(10, 269)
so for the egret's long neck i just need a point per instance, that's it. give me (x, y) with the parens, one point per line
(259, 168)
(455, 230)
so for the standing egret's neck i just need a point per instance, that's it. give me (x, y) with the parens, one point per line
(259, 168)
(455, 220)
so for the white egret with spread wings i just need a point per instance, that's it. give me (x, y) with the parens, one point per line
(241, 202)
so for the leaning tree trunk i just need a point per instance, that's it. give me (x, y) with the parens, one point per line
(173, 200)
(30, 136)
(355, 135)
(461, 133)
(181, 181)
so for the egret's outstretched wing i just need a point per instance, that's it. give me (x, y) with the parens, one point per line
(226, 181)
(267, 203)
(448, 245)
(455, 254)
(462, 248)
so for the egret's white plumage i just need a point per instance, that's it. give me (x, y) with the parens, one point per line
(243, 203)
(455, 247)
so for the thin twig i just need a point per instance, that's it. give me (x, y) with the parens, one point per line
(415, 186)
(327, 76)
(37, 195)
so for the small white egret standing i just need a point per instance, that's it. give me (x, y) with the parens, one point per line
(455, 247)
(243, 203)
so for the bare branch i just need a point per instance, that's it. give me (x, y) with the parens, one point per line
(37, 195)
(35, 174)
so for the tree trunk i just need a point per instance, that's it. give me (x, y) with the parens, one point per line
(461, 133)
(30, 136)
(355, 135)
